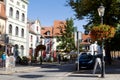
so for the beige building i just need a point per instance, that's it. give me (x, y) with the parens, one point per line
(2, 24)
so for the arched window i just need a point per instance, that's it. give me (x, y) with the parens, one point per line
(17, 31)
(17, 14)
(22, 50)
(11, 12)
(16, 52)
(10, 29)
(22, 32)
(23, 17)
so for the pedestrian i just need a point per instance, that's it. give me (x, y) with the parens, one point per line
(59, 58)
(97, 54)
(91, 48)
(7, 62)
(3, 59)
(12, 60)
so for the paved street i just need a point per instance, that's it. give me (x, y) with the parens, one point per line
(48, 71)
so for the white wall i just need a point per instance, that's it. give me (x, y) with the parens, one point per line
(17, 22)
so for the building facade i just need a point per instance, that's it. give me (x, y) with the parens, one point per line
(2, 25)
(50, 40)
(34, 28)
(16, 27)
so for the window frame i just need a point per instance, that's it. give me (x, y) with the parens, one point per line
(11, 12)
(10, 29)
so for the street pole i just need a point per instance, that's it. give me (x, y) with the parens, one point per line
(101, 14)
(103, 63)
(78, 48)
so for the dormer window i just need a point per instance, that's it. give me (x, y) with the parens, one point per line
(48, 33)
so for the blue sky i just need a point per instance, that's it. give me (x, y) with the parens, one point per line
(49, 10)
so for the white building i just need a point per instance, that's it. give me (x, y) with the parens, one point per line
(16, 26)
(34, 35)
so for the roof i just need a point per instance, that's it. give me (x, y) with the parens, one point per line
(85, 39)
(54, 30)
(44, 31)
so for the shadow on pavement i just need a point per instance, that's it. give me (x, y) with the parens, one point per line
(31, 76)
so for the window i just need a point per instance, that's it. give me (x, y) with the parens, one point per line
(37, 28)
(22, 50)
(17, 31)
(37, 40)
(23, 6)
(22, 32)
(16, 48)
(17, 14)
(11, 12)
(31, 38)
(18, 3)
(23, 17)
(10, 29)
(48, 33)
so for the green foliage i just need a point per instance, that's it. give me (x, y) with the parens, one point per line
(1, 52)
(67, 38)
(115, 42)
(88, 9)
(24, 60)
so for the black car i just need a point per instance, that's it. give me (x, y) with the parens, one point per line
(86, 61)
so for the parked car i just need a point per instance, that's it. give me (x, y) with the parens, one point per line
(86, 61)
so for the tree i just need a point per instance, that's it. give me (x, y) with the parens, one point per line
(88, 9)
(67, 37)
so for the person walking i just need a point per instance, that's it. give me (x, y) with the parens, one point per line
(12, 61)
(3, 59)
(59, 58)
(97, 54)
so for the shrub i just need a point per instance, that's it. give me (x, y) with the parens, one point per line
(24, 60)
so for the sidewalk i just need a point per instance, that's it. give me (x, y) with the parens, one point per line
(18, 68)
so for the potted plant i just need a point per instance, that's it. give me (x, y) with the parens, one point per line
(101, 32)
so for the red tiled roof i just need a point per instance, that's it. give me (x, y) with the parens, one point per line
(84, 38)
(55, 30)
(44, 30)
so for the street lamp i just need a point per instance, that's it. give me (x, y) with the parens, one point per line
(101, 10)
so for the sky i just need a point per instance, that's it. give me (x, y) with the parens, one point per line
(47, 11)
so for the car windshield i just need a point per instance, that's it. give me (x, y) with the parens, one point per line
(85, 56)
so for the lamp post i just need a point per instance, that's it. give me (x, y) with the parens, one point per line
(101, 10)
(78, 49)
